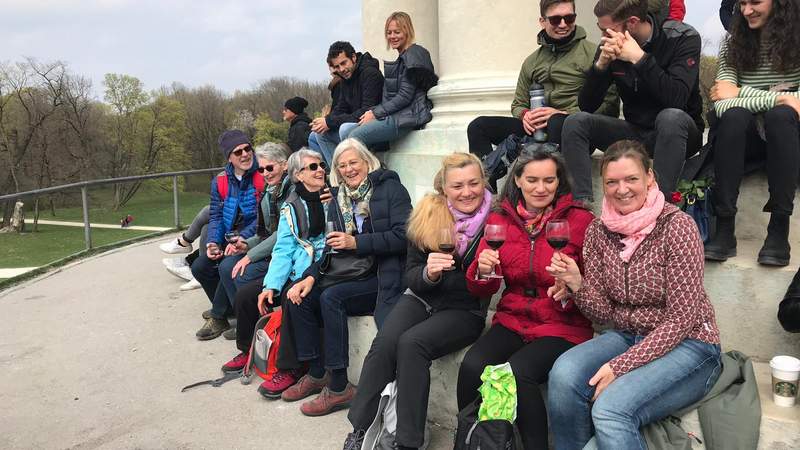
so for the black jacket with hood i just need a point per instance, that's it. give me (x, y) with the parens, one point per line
(359, 93)
(667, 76)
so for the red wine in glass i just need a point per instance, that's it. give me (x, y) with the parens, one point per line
(447, 244)
(557, 234)
(495, 236)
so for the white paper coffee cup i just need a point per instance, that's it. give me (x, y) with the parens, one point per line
(785, 375)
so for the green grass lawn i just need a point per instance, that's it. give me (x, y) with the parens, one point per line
(52, 243)
(150, 207)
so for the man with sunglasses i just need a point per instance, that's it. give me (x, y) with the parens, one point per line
(235, 195)
(559, 64)
(656, 70)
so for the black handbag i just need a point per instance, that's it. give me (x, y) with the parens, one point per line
(473, 434)
(344, 266)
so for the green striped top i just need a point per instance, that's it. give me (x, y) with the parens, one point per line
(755, 94)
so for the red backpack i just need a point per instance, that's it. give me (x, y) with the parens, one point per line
(263, 356)
(222, 186)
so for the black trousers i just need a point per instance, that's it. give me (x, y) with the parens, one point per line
(484, 131)
(674, 138)
(738, 141)
(530, 362)
(403, 350)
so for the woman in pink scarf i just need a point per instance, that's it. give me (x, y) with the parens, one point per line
(643, 273)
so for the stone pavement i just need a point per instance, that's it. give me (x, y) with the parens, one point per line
(94, 355)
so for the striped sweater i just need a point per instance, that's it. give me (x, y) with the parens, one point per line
(755, 94)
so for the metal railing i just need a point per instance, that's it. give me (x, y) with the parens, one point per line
(85, 185)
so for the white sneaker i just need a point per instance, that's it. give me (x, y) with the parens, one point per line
(184, 272)
(189, 285)
(173, 246)
(174, 262)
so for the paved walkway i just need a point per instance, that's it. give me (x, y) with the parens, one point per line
(97, 225)
(94, 356)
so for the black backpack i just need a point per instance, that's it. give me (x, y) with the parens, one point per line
(473, 434)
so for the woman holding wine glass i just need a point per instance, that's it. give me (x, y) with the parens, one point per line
(644, 274)
(361, 273)
(530, 329)
(437, 315)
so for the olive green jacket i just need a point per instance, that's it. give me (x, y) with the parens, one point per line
(561, 69)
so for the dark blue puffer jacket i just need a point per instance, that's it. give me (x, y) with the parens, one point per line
(241, 200)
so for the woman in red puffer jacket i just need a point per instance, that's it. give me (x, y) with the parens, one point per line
(529, 330)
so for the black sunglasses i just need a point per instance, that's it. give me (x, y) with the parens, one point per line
(267, 168)
(238, 152)
(555, 21)
(314, 166)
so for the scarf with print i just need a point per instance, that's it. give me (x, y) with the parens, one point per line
(467, 226)
(637, 225)
(533, 220)
(359, 195)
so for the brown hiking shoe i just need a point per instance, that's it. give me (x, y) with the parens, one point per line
(307, 385)
(328, 401)
(212, 329)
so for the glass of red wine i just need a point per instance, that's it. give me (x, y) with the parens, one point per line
(557, 234)
(447, 244)
(495, 235)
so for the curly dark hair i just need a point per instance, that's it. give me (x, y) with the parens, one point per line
(781, 30)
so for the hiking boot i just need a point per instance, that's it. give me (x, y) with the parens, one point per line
(282, 380)
(206, 314)
(236, 364)
(174, 246)
(723, 244)
(776, 249)
(307, 385)
(212, 329)
(230, 334)
(354, 440)
(328, 401)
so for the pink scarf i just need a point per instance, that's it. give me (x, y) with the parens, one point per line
(467, 226)
(637, 225)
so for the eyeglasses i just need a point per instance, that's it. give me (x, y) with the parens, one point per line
(238, 152)
(267, 168)
(314, 166)
(555, 21)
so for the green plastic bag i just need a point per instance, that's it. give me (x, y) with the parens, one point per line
(498, 393)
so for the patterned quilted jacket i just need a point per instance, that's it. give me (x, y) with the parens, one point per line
(659, 293)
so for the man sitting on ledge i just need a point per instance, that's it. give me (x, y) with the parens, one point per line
(560, 65)
(656, 71)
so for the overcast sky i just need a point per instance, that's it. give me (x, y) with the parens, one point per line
(230, 44)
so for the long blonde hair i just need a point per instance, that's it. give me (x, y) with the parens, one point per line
(432, 214)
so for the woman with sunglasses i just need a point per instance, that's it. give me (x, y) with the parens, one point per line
(405, 104)
(234, 209)
(370, 210)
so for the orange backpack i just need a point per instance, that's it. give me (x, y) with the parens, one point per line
(263, 356)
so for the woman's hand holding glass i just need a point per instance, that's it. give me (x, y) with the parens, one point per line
(438, 262)
(339, 240)
(565, 269)
(487, 260)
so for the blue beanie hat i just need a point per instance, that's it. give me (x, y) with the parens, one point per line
(231, 139)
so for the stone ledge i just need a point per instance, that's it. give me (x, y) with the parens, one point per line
(780, 427)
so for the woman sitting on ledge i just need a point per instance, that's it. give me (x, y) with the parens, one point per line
(529, 330)
(437, 315)
(643, 272)
(755, 97)
(405, 104)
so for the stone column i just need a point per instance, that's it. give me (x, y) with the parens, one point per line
(477, 48)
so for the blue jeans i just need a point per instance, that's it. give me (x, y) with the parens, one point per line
(206, 272)
(329, 308)
(254, 271)
(326, 142)
(642, 396)
(378, 131)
